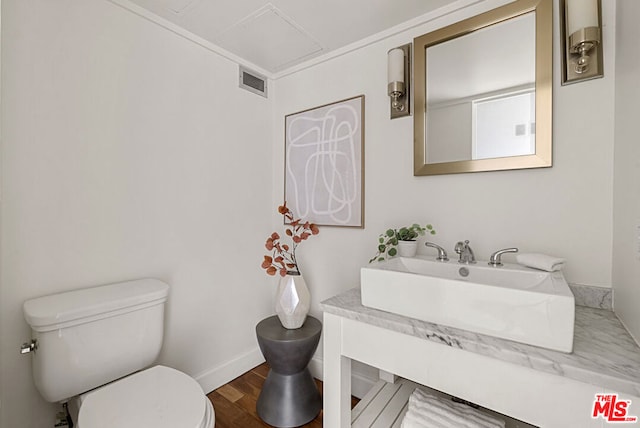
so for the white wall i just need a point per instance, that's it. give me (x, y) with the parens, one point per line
(129, 151)
(626, 225)
(564, 210)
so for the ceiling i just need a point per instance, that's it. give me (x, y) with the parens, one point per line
(280, 34)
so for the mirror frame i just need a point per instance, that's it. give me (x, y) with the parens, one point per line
(543, 84)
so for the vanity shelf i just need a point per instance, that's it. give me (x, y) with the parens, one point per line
(385, 405)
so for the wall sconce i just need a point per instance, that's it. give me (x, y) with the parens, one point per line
(399, 80)
(582, 40)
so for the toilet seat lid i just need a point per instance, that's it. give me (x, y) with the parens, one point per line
(159, 397)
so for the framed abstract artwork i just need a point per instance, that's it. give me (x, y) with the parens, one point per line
(324, 163)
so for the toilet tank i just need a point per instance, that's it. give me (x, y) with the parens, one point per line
(92, 336)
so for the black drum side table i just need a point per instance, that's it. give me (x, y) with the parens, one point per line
(289, 396)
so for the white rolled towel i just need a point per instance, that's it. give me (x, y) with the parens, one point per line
(540, 261)
(428, 411)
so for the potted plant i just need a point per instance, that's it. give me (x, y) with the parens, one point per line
(293, 300)
(400, 241)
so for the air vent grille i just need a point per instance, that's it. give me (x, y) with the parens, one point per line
(253, 82)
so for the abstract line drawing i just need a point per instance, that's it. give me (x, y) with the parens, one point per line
(324, 163)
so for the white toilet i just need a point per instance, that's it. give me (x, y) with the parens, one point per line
(89, 348)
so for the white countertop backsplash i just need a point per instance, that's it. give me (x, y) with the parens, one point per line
(604, 353)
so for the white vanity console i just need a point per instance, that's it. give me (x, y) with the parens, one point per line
(538, 386)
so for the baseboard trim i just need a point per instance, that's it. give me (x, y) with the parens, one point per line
(225, 373)
(214, 378)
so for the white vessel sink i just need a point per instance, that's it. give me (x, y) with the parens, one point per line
(510, 302)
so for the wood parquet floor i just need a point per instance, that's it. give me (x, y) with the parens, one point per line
(235, 402)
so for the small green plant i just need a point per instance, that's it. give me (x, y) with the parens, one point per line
(388, 241)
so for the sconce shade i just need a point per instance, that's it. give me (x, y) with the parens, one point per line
(581, 14)
(399, 80)
(395, 66)
(581, 29)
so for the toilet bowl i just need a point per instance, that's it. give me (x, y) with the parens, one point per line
(94, 349)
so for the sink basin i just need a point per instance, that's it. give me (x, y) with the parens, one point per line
(510, 302)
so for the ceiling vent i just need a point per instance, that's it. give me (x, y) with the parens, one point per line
(253, 82)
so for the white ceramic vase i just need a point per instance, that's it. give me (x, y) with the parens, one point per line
(293, 301)
(407, 248)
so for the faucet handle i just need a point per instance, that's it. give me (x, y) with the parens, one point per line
(460, 246)
(495, 259)
(442, 254)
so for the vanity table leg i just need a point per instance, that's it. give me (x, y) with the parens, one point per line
(387, 376)
(337, 376)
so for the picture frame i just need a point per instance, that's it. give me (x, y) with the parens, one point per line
(324, 163)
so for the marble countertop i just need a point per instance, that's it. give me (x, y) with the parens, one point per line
(604, 354)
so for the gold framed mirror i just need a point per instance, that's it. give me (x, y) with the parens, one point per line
(483, 92)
